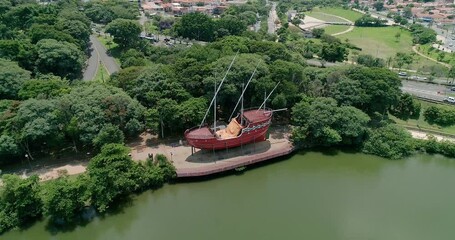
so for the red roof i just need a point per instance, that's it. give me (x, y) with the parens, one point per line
(257, 115)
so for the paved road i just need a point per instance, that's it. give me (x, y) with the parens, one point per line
(92, 65)
(99, 58)
(271, 20)
(108, 61)
(426, 90)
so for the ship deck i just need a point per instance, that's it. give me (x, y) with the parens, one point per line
(206, 162)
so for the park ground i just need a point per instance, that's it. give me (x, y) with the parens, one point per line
(422, 125)
(381, 42)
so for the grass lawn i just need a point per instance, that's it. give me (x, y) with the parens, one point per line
(101, 74)
(323, 17)
(380, 41)
(331, 29)
(346, 13)
(420, 123)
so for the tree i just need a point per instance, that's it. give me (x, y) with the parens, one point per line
(451, 72)
(47, 86)
(320, 122)
(111, 175)
(108, 134)
(196, 25)
(380, 88)
(389, 141)
(403, 58)
(12, 77)
(317, 32)
(379, 6)
(125, 32)
(407, 12)
(231, 24)
(63, 199)
(370, 61)
(35, 125)
(334, 52)
(19, 201)
(407, 107)
(397, 36)
(59, 58)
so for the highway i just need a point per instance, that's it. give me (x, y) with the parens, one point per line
(425, 90)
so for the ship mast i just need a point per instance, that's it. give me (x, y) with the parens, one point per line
(265, 100)
(243, 92)
(217, 90)
(214, 111)
(241, 109)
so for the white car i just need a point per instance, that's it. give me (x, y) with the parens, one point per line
(449, 99)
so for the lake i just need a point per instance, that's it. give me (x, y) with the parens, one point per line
(311, 195)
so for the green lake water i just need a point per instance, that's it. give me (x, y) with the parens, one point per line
(312, 195)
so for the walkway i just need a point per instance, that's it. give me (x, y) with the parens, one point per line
(99, 58)
(271, 20)
(204, 162)
(414, 48)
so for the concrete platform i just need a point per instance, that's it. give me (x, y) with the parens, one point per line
(203, 162)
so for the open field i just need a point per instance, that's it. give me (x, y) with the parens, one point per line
(381, 42)
(420, 123)
(324, 17)
(346, 13)
(331, 29)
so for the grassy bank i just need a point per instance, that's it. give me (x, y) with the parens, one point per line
(422, 124)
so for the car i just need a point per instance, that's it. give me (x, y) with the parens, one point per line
(450, 100)
(452, 89)
(402, 74)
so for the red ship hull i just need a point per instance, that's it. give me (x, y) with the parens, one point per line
(254, 130)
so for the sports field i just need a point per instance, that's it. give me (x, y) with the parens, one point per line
(346, 13)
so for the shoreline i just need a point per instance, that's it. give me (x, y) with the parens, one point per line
(201, 163)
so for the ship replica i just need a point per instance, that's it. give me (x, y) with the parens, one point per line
(249, 126)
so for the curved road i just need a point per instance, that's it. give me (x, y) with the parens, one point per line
(99, 58)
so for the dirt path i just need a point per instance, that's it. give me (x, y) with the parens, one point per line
(414, 48)
(424, 135)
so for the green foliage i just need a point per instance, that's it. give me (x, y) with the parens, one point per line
(406, 108)
(12, 77)
(432, 146)
(334, 52)
(19, 201)
(422, 34)
(46, 86)
(369, 21)
(317, 32)
(320, 122)
(125, 32)
(108, 134)
(370, 61)
(63, 199)
(403, 59)
(111, 175)
(442, 116)
(62, 59)
(379, 6)
(389, 141)
(196, 25)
